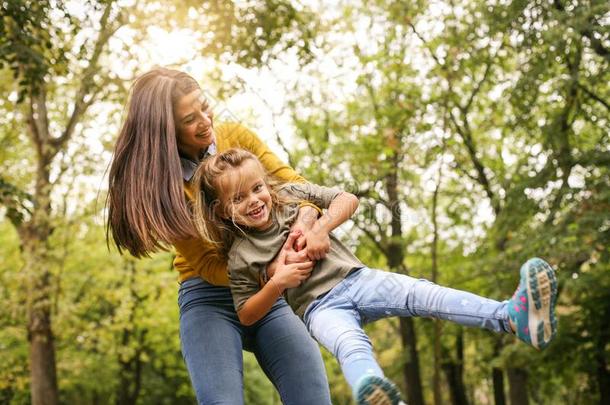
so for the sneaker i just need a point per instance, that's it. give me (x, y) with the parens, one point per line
(532, 306)
(374, 390)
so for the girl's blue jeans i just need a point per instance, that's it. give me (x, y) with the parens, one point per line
(212, 340)
(366, 295)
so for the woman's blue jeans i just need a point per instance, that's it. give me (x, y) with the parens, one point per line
(212, 340)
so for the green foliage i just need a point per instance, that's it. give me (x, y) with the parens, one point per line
(500, 106)
(512, 103)
(28, 35)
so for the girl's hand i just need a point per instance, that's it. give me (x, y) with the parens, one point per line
(317, 243)
(289, 254)
(290, 275)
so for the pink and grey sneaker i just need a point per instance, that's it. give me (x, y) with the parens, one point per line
(532, 306)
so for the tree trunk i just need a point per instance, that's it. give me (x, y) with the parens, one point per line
(438, 397)
(517, 378)
(498, 384)
(454, 380)
(35, 229)
(130, 377)
(34, 236)
(603, 377)
(395, 256)
(454, 371)
(497, 376)
(130, 369)
(436, 376)
(411, 367)
(43, 374)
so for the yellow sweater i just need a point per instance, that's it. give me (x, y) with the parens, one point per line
(194, 257)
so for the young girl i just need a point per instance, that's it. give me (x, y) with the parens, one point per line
(240, 209)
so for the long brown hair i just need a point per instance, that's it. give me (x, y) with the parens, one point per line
(207, 181)
(147, 210)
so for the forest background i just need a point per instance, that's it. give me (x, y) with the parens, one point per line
(476, 134)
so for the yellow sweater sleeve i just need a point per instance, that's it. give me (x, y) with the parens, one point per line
(194, 257)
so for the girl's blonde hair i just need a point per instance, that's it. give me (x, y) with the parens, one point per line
(212, 228)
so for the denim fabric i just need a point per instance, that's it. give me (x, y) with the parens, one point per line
(366, 295)
(212, 340)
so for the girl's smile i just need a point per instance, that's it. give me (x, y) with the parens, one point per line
(258, 213)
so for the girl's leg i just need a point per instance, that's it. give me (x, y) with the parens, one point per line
(290, 357)
(335, 323)
(211, 339)
(379, 294)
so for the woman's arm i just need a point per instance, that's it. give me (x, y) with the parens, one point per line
(194, 257)
(341, 208)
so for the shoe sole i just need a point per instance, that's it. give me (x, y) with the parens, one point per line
(542, 292)
(379, 391)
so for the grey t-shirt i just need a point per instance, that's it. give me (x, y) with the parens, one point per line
(252, 251)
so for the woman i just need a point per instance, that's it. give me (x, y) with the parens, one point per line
(168, 130)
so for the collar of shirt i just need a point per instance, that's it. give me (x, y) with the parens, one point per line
(189, 166)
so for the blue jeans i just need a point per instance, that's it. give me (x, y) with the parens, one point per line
(212, 339)
(366, 295)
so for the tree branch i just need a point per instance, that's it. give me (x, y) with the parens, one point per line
(310, 146)
(477, 88)
(482, 179)
(457, 166)
(276, 131)
(593, 96)
(87, 82)
(371, 236)
(587, 32)
(38, 120)
(593, 158)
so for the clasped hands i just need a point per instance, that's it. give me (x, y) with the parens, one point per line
(296, 260)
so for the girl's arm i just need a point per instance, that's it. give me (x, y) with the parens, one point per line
(340, 210)
(257, 306)
(286, 276)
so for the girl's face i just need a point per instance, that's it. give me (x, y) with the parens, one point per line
(244, 196)
(194, 124)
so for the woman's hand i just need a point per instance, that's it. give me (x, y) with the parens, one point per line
(318, 243)
(289, 275)
(307, 217)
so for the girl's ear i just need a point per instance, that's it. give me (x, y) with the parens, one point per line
(220, 210)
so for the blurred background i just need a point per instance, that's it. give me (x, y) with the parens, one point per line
(476, 134)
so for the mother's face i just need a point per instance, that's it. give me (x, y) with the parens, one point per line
(194, 124)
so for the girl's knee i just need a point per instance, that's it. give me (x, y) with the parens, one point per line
(352, 344)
